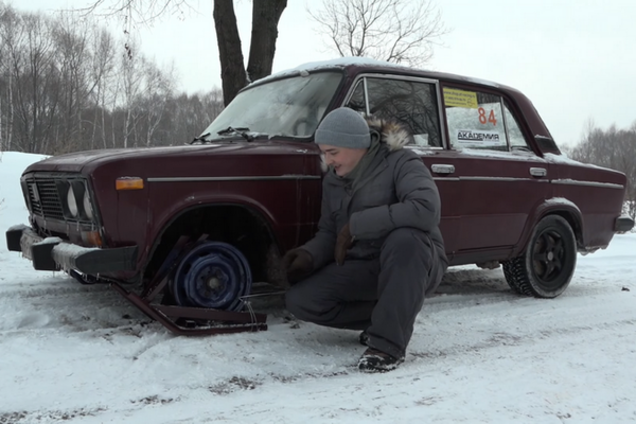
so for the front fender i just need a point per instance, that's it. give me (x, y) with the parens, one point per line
(181, 206)
(169, 215)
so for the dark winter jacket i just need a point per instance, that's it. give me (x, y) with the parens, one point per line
(397, 190)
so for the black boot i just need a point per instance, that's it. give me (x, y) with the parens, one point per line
(364, 338)
(373, 360)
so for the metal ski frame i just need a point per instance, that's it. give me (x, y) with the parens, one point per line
(182, 320)
(186, 320)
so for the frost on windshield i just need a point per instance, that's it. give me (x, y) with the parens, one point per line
(290, 107)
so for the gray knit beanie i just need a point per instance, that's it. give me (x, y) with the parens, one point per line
(343, 127)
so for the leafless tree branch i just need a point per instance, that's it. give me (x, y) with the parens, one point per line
(136, 12)
(399, 31)
(235, 75)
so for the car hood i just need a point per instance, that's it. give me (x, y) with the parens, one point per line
(87, 161)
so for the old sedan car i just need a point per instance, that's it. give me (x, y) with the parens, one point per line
(187, 232)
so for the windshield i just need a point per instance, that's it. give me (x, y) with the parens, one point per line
(290, 107)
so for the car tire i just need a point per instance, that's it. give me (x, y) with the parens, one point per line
(546, 267)
(512, 282)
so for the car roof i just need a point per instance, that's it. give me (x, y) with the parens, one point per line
(356, 65)
(361, 64)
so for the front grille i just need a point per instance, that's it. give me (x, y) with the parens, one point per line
(46, 201)
(35, 204)
(47, 195)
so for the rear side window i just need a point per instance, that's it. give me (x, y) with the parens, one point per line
(413, 103)
(474, 120)
(479, 120)
(515, 135)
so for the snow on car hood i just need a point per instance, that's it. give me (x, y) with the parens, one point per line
(88, 160)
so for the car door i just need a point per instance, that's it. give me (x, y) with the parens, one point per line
(501, 179)
(416, 103)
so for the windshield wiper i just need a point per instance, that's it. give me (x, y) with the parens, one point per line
(242, 131)
(201, 138)
(229, 130)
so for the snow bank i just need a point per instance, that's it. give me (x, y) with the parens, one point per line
(12, 207)
(479, 353)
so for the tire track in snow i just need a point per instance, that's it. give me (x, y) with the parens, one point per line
(482, 326)
(68, 306)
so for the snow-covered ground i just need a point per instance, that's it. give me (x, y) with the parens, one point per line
(77, 354)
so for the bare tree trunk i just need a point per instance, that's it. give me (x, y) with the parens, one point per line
(1, 138)
(265, 17)
(33, 143)
(103, 108)
(231, 56)
(127, 126)
(10, 113)
(95, 117)
(155, 120)
(132, 74)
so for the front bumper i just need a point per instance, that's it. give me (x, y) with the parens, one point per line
(52, 253)
(623, 223)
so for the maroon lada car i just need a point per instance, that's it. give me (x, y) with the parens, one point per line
(190, 233)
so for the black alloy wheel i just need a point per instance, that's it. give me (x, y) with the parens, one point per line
(546, 267)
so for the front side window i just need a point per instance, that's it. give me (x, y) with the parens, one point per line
(409, 102)
(474, 120)
(290, 107)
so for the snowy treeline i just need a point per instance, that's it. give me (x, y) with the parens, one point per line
(67, 84)
(614, 148)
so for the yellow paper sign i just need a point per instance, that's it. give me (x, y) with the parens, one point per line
(460, 98)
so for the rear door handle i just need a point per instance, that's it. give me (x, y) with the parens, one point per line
(441, 168)
(538, 172)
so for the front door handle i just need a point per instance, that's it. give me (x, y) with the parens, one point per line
(440, 168)
(538, 172)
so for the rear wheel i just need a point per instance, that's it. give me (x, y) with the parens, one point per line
(547, 266)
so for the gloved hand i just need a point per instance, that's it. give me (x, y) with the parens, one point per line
(298, 263)
(343, 242)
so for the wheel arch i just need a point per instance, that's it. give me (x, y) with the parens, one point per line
(554, 206)
(246, 226)
(575, 222)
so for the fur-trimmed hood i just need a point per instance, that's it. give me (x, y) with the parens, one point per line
(392, 132)
(394, 189)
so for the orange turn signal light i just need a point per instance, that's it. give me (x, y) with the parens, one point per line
(92, 238)
(129, 183)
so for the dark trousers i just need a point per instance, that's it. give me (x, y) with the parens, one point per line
(382, 296)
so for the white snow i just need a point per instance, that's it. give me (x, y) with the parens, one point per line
(570, 181)
(479, 354)
(305, 68)
(564, 159)
(515, 155)
(561, 201)
(51, 240)
(67, 249)
(421, 151)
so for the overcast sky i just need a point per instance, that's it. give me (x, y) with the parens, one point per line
(573, 58)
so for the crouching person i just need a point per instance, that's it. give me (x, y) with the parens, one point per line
(378, 251)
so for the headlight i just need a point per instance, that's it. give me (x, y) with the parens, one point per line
(88, 208)
(72, 203)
